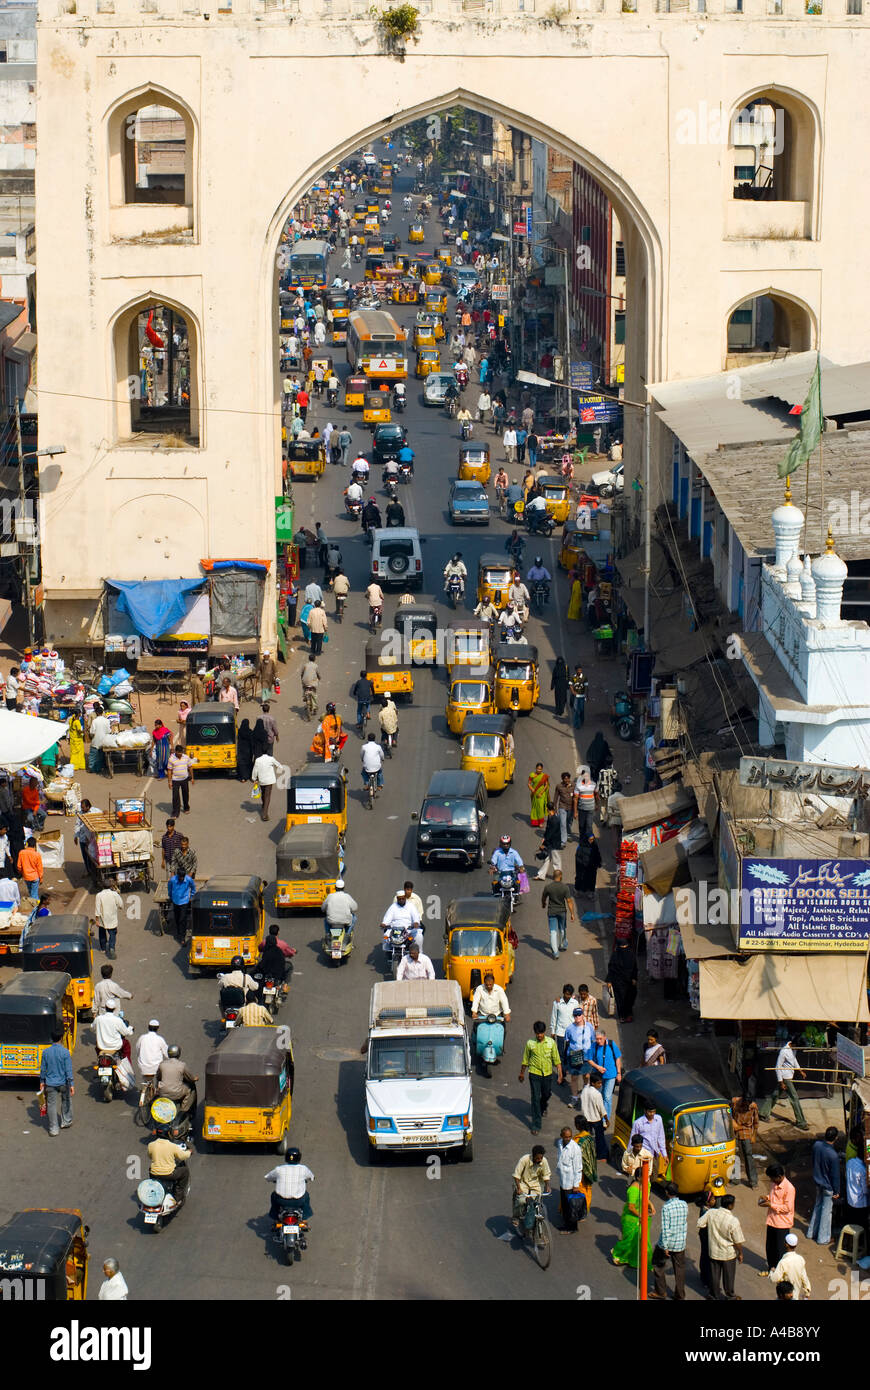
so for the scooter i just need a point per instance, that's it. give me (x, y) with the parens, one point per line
(455, 589)
(291, 1235)
(353, 508)
(106, 1067)
(489, 1041)
(331, 396)
(507, 885)
(376, 614)
(337, 943)
(232, 1001)
(158, 1201)
(166, 1120)
(623, 716)
(466, 429)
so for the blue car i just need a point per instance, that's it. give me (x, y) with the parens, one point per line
(468, 503)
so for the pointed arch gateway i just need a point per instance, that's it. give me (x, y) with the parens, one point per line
(646, 310)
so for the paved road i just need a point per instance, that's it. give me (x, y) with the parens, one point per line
(387, 1232)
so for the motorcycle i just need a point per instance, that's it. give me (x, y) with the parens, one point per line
(507, 885)
(232, 1001)
(538, 523)
(395, 946)
(158, 1201)
(514, 633)
(516, 552)
(399, 400)
(391, 485)
(337, 943)
(106, 1067)
(466, 429)
(331, 396)
(540, 594)
(356, 253)
(376, 615)
(319, 384)
(271, 991)
(623, 716)
(455, 589)
(405, 471)
(451, 405)
(353, 508)
(489, 1041)
(290, 1233)
(340, 600)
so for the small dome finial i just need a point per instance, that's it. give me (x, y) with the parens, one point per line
(829, 546)
(788, 501)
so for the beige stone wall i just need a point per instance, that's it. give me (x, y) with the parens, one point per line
(607, 88)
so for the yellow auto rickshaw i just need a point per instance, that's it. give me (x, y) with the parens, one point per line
(373, 208)
(474, 462)
(471, 690)
(445, 255)
(428, 360)
(306, 458)
(516, 676)
(403, 292)
(494, 578)
(557, 496)
(376, 410)
(477, 941)
(424, 334)
(211, 736)
(318, 798)
(467, 643)
(320, 359)
(436, 301)
(44, 1255)
(417, 233)
(438, 328)
(308, 860)
(572, 546)
(488, 747)
(227, 918)
(355, 389)
(699, 1133)
(339, 303)
(388, 671)
(430, 273)
(62, 943)
(32, 1006)
(248, 1089)
(418, 624)
(372, 225)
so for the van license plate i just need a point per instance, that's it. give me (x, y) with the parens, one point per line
(419, 1139)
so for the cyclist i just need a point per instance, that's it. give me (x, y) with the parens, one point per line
(372, 758)
(310, 682)
(388, 718)
(375, 596)
(502, 483)
(363, 692)
(531, 1179)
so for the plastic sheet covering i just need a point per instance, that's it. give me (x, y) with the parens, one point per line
(785, 987)
(236, 602)
(154, 605)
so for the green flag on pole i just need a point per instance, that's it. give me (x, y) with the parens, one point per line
(810, 432)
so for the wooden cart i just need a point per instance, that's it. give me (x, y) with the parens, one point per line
(128, 758)
(165, 676)
(129, 865)
(163, 905)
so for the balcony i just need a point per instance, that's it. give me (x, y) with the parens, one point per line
(767, 221)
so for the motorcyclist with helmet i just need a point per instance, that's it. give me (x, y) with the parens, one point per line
(291, 1179)
(330, 737)
(371, 516)
(505, 860)
(455, 567)
(234, 984)
(175, 1082)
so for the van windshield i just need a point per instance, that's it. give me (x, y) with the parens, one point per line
(415, 1058)
(444, 810)
(696, 1128)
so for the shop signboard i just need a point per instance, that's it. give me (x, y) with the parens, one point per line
(597, 409)
(851, 1055)
(583, 375)
(805, 905)
(500, 293)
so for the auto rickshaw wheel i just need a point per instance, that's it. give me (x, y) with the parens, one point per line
(193, 972)
(283, 1144)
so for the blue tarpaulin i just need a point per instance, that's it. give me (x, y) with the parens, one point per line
(155, 605)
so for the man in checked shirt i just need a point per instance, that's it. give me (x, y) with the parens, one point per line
(671, 1242)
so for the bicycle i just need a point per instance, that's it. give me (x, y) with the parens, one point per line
(310, 695)
(371, 788)
(533, 1222)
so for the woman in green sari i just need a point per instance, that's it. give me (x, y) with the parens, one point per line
(627, 1250)
(539, 791)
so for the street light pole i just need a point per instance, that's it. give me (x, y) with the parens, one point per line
(567, 338)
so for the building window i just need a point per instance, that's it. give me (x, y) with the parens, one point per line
(854, 6)
(3, 53)
(619, 326)
(151, 153)
(155, 355)
(620, 259)
(744, 173)
(586, 234)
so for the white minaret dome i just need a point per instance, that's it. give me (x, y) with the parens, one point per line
(788, 522)
(793, 572)
(829, 574)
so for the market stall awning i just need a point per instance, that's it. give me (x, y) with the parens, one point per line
(650, 807)
(765, 986)
(668, 864)
(701, 940)
(24, 738)
(154, 605)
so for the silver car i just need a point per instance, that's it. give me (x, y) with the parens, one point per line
(435, 387)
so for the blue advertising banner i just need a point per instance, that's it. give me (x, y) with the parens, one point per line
(583, 375)
(595, 410)
(529, 222)
(805, 905)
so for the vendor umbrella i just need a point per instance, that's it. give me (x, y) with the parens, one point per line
(24, 738)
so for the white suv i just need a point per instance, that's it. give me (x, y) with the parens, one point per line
(397, 560)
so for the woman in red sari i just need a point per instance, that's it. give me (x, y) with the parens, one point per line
(539, 791)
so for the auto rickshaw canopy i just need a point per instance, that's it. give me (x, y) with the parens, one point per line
(314, 792)
(211, 722)
(671, 1088)
(39, 1241)
(306, 451)
(59, 943)
(501, 724)
(31, 1006)
(467, 640)
(228, 900)
(309, 851)
(516, 654)
(554, 489)
(483, 910)
(252, 1067)
(475, 454)
(497, 565)
(416, 620)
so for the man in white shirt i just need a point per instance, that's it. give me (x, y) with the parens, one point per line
(114, 1287)
(786, 1066)
(372, 757)
(291, 1180)
(591, 1105)
(107, 989)
(111, 1031)
(415, 966)
(313, 592)
(151, 1050)
(490, 998)
(569, 1168)
(99, 731)
(9, 891)
(107, 906)
(561, 1014)
(265, 772)
(793, 1269)
(339, 908)
(375, 595)
(354, 493)
(401, 914)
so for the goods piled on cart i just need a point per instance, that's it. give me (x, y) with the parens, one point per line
(119, 844)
